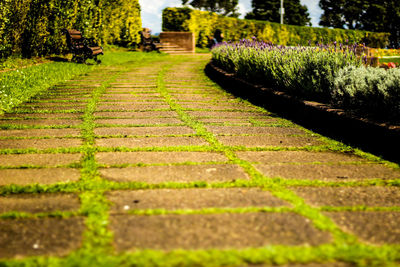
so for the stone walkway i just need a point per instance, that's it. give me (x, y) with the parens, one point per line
(153, 159)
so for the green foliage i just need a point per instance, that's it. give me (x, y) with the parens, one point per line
(223, 7)
(369, 15)
(369, 89)
(306, 72)
(204, 24)
(18, 86)
(33, 27)
(297, 14)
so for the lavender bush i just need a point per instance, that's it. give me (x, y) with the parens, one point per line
(373, 90)
(308, 72)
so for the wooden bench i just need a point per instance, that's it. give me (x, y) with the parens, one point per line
(81, 48)
(146, 42)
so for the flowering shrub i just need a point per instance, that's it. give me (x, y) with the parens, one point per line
(204, 24)
(378, 52)
(369, 89)
(308, 72)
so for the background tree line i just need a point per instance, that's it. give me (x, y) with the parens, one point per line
(33, 27)
(368, 15)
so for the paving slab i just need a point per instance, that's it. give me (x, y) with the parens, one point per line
(157, 157)
(41, 122)
(182, 174)
(52, 108)
(130, 97)
(38, 176)
(226, 114)
(373, 227)
(43, 115)
(40, 143)
(240, 121)
(37, 104)
(135, 131)
(371, 196)
(213, 231)
(173, 199)
(334, 173)
(46, 236)
(13, 160)
(34, 203)
(150, 142)
(40, 132)
(297, 156)
(103, 107)
(139, 121)
(143, 114)
(269, 140)
(254, 130)
(207, 106)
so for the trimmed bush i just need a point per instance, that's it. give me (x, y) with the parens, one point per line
(33, 27)
(204, 24)
(307, 72)
(373, 90)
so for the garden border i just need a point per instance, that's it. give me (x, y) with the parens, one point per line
(378, 138)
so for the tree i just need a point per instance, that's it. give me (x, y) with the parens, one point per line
(369, 15)
(224, 7)
(295, 13)
(340, 13)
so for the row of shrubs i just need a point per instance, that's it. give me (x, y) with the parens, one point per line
(326, 74)
(204, 24)
(33, 27)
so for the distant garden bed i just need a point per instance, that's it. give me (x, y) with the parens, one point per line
(329, 74)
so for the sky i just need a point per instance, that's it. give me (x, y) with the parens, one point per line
(152, 9)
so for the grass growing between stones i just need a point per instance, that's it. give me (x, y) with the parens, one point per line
(97, 247)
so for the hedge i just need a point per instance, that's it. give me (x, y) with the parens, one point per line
(33, 27)
(204, 24)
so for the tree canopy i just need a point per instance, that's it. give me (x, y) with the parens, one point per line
(224, 7)
(369, 15)
(295, 13)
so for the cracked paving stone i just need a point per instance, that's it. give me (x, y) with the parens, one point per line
(376, 227)
(213, 231)
(184, 173)
(371, 196)
(13, 160)
(44, 236)
(157, 157)
(151, 142)
(34, 203)
(329, 172)
(173, 199)
(38, 176)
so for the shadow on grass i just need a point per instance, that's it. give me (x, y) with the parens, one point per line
(372, 138)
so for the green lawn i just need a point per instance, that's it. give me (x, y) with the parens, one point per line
(395, 60)
(22, 79)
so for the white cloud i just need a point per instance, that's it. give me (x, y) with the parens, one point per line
(151, 11)
(314, 10)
